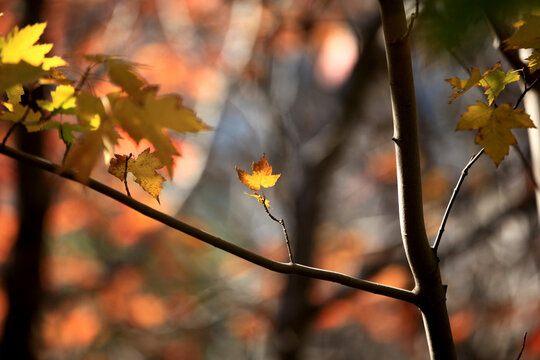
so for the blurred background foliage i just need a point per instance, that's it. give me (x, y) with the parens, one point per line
(305, 82)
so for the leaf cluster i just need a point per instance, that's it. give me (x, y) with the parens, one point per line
(88, 124)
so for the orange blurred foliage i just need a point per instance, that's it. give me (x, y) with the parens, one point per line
(146, 310)
(75, 328)
(9, 223)
(247, 324)
(184, 348)
(463, 324)
(60, 271)
(381, 166)
(114, 297)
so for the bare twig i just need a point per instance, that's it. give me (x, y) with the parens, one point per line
(525, 91)
(125, 175)
(464, 173)
(522, 346)
(276, 266)
(14, 126)
(414, 15)
(282, 223)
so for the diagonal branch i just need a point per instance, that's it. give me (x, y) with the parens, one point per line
(464, 173)
(276, 266)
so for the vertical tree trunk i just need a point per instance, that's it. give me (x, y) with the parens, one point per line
(422, 259)
(22, 276)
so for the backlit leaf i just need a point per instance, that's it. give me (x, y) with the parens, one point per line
(63, 100)
(534, 61)
(261, 175)
(494, 127)
(496, 81)
(148, 116)
(20, 45)
(463, 85)
(143, 168)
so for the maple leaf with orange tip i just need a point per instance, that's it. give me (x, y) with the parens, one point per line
(261, 175)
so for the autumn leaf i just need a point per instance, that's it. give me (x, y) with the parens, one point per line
(260, 199)
(21, 73)
(20, 45)
(261, 175)
(494, 127)
(63, 100)
(528, 34)
(143, 168)
(148, 116)
(534, 61)
(463, 85)
(65, 130)
(16, 112)
(496, 81)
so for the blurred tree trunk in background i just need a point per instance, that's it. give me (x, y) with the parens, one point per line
(22, 273)
(295, 310)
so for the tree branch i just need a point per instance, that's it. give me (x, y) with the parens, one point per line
(276, 266)
(464, 173)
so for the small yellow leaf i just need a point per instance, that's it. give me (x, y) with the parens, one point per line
(463, 85)
(63, 100)
(494, 127)
(260, 199)
(534, 61)
(261, 175)
(143, 168)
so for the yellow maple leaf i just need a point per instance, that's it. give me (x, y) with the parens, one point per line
(261, 175)
(16, 112)
(148, 116)
(143, 168)
(83, 156)
(463, 85)
(63, 100)
(20, 45)
(528, 34)
(494, 127)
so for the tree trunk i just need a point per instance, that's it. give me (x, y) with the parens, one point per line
(421, 257)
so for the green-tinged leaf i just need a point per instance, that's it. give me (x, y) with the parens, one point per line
(494, 127)
(496, 81)
(122, 73)
(463, 85)
(65, 130)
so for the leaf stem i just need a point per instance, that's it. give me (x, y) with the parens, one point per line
(14, 126)
(522, 346)
(525, 91)
(282, 223)
(252, 257)
(125, 175)
(464, 173)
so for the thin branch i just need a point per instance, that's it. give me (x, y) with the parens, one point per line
(125, 175)
(14, 126)
(526, 90)
(276, 266)
(282, 223)
(414, 15)
(522, 346)
(464, 173)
